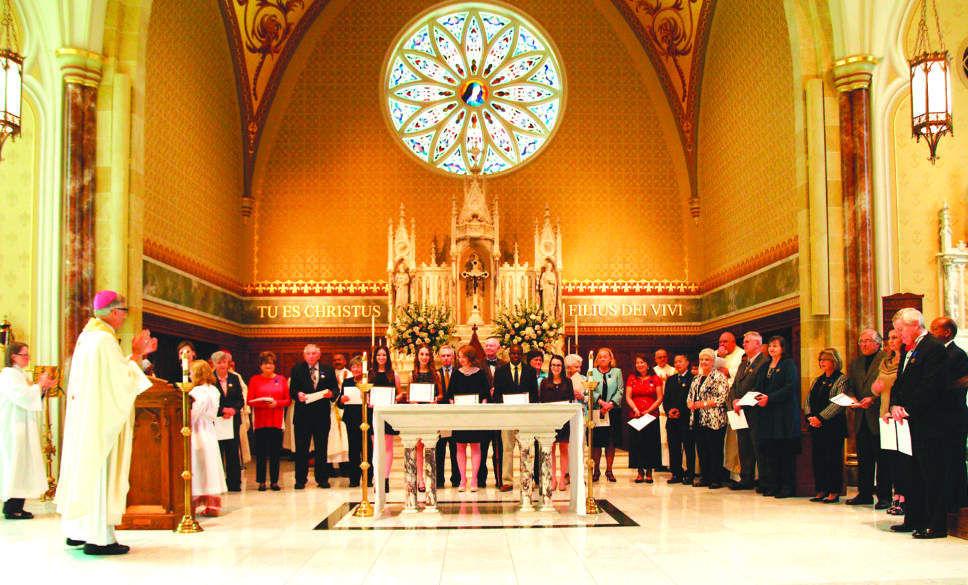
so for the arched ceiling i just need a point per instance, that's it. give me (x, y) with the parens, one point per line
(264, 34)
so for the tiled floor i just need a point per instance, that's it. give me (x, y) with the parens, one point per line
(684, 535)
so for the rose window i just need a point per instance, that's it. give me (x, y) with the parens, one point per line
(474, 88)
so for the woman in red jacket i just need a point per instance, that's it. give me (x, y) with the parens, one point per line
(268, 397)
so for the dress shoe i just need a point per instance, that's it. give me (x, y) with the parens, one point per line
(740, 486)
(687, 481)
(648, 479)
(262, 487)
(764, 489)
(902, 528)
(930, 533)
(783, 493)
(323, 486)
(860, 501)
(108, 549)
(355, 484)
(507, 487)
(639, 479)
(72, 542)
(882, 505)
(832, 499)
(715, 485)
(19, 516)
(819, 497)
(235, 489)
(674, 479)
(299, 486)
(700, 484)
(275, 487)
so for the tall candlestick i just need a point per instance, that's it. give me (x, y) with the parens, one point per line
(364, 366)
(591, 361)
(185, 369)
(372, 331)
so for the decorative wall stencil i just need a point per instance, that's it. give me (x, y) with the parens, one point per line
(473, 88)
(624, 287)
(674, 34)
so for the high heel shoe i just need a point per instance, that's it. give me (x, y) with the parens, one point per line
(386, 485)
(819, 497)
(831, 499)
(610, 477)
(554, 484)
(597, 475)
(562, 485)
(421, 488)
(462, 487)
(473, 487)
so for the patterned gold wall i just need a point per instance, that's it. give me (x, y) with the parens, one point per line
(334, 175)
(193, 149)
(18, 198)
(746, 169)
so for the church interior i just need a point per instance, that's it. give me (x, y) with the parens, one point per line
(252, 178)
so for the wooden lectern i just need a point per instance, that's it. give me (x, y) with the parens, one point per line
(156, 498)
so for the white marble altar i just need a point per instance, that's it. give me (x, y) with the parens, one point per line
(532, 421)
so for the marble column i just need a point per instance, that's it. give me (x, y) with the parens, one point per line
(410, 472)
(526, 448)
(852, 77)
(546, 442)
(430, 472)
(81, 72)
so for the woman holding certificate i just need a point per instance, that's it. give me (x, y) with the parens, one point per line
(468, 381)
(557, 387)
(828, 427)
(352, 405)
(643, 394)
(268, 397)
(607, 401)
(779, 426)
(886, 377)
(423, 375)
(707, 399)
(383, 376)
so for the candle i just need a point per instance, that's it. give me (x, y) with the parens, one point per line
(591, 360)
(364, 363)
(184, 369)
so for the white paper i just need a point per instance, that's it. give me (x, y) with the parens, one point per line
(353, 393)
(641, 422)
(224, 428)
(888, 434)
(737, 421)
(382, 395)
(904, 437)
(519, 398)
(843, 400)
(749, 399)
(422, 392)
(599, 419)
(466, 399)
(314, 396)
(263, 399)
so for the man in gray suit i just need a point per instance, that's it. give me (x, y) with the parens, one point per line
(861, 375)
(746, 376)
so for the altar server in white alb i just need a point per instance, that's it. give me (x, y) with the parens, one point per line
(98, 428)
(208, 479)
(22, 472)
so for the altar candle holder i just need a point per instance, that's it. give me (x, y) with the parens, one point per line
(591, 506)
(48, 448)
(365, 509)
(188, 524)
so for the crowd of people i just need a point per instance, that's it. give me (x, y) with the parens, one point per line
(737, 412)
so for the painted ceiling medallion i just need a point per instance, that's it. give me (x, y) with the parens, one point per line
(473, 87)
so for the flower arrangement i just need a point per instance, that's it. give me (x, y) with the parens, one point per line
(416, 324)
(529, 326)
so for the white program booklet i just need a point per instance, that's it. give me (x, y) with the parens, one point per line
(749, 399)
(422, 392)
(382, 395)
(353, 393)
(641, 422)
(843, 400)
(224, 428)
(314, 396)
(904, 437)
(737, 421)
(888, 434)
(466, 399)
(519, 398)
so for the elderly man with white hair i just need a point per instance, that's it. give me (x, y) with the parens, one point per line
(99, 428)
(312, 387)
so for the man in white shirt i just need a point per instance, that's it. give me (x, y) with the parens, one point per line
(733, 356)
(663, 370)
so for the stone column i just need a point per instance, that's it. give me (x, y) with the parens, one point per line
(546, 441)
(430, 472)
(852, 77)
(410, 471)
(526, 448)
(81, 71)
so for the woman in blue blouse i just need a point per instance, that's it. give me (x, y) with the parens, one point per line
(607, 398)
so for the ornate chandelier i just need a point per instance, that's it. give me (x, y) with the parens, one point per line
(930, 86)
(11, 76)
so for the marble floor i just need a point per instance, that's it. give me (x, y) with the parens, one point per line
(683, 535)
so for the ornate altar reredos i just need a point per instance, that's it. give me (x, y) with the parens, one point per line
(471, 279)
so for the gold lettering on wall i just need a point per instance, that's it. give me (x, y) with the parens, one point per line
(623, 310)
(336, 311)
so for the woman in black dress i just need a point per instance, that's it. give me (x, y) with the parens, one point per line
(382, 375)
(828, 427)
(469, 379)
(353, 419)
(423, 373)
(557, 387)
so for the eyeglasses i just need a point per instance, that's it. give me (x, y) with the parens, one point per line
(125, 309)
(26, 355)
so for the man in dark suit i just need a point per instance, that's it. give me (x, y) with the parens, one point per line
(920, 398)
(514, 377)
(492, 345)
(861, 375)
(230, 405)
(312, 387)
(945, 330)
(745, 381)
(446, 354)
(677, 422)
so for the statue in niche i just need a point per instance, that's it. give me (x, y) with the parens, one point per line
(548, 289)
(475, 274)
(401, 284)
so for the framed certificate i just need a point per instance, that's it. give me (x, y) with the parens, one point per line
(382, 395)
(520, 398)
(465, 399)
(422, 392)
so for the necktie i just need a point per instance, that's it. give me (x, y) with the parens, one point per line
(446, 378)
(315, 374)
(516, 376)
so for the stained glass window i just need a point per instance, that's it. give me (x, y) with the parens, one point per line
(474, 87)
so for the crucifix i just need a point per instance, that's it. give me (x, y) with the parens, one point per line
(475, 274)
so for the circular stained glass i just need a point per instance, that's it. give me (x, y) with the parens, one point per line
(474, 87)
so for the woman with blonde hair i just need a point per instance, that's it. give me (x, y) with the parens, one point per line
(607, 398)
(208, 479)
(706, 400)
(828, 427)
(886, 376)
